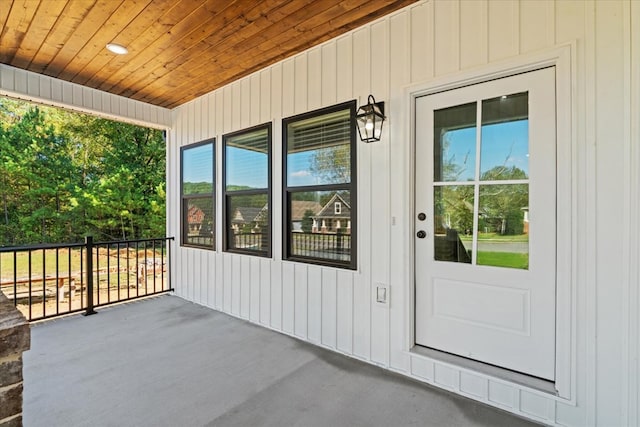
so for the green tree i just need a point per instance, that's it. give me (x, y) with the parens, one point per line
(502, 205)
(38, 172)
(64, 175)
(453, 208)
(126, 187)
(332, 164)
(307, 221)
(503, 172)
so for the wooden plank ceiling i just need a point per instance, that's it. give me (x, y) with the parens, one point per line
(178, 49)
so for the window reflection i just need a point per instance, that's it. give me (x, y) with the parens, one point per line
(503, 226)
(453, 222)
(246, 157)
(197, 169)
(319, 192)
(248, 222)
(500, 237)
(455, 143)
(320, 224)
(247, 182)
(319, 150)
(199, 223)
(198, 195)
(504, 150)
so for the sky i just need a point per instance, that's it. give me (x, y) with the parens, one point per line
(250, 167)
(501, 144)
(200, 165)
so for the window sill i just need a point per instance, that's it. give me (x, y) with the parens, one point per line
(321, 262)
(250, 253)
(206, 248)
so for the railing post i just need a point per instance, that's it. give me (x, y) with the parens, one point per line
(264, 241)
(88, 241)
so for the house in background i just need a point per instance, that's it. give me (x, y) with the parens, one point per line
(553, 87)
(334, 217)
(247, 219)
(300, 208)
(195, 216)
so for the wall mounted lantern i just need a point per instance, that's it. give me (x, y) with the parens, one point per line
(369, 120)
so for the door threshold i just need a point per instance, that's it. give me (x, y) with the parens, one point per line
(535, 383)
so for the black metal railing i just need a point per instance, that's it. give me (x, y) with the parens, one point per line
(200, 240)
(332, 246)
(250, 241)
(45, 281)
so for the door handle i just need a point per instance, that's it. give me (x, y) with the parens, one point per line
(421, 234)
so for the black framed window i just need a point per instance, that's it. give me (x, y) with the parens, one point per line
(197, 192)
(247, 191)
(319, 186)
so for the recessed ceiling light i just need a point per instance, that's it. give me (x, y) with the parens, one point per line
(118, 49)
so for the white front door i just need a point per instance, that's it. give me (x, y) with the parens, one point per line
(485, 218)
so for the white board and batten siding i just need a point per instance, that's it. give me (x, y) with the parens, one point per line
(41, 89)
(423, 43)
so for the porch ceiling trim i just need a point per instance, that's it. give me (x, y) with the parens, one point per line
(41, 89)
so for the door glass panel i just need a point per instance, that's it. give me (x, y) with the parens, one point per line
(453, 222)
(455, 143)
(503, 226)
(504, 152)
(500, 217)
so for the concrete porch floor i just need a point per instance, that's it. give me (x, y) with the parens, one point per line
(168, 362)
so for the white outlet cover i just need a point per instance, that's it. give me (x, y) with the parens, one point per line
(382, 294)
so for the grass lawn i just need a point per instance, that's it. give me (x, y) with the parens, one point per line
(504, 259)
(69, 261)
(37, 266)
(497, 237)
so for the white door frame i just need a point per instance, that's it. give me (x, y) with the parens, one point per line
(563, 58)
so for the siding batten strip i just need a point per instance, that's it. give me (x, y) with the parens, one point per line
(628, 302)
(590, 201)
(634, 395)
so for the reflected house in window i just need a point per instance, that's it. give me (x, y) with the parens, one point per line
(301, 209)
(195, 218)
(335, 216)
(249, 219)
